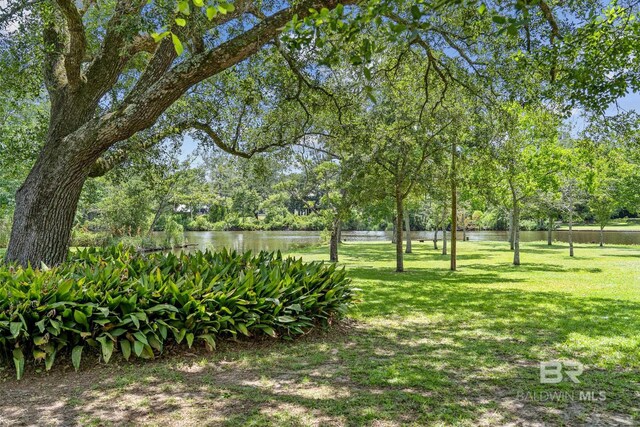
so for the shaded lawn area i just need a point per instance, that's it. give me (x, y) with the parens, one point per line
(426, 347)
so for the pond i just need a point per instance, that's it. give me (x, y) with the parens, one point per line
(288, 240)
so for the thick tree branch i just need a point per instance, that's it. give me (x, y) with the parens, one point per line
(144, 108)
(105, 69)
(76, 43)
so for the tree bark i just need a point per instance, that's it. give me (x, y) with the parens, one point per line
(45, 209)
(571, 229)
(407, 226)
(511, 236)
(550, 231)
(399, 212)
(516, 233)
(454, 209)
(444, 230)
(435, 237)
(335, 240)
(601, 236)
(394, 234)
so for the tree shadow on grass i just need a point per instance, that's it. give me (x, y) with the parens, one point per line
(430, 349)
(533, 267)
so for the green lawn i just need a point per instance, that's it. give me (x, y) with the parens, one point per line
(614, 225)
(426, 347)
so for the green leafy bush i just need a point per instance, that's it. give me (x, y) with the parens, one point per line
(200, 223)
(115, 299)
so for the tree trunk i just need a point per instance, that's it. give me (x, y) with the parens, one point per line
(46, 204)
(516, 234)
(571, 230)
(444, 231)
(464, 229)
(335, 240)
(550, 231)
(399, 254)
(511, 236)
(394, 235)
(454, 209)
(407, 226)
(435, 237)
(601, 236)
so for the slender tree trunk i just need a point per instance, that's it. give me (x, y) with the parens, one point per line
(45, 209)
(156, 216)
(516, 233)
(550, 231)
(407, 227)
(571, 229)
(435, 237)
(335, 240)
(444, 231)
(399, 212)
(601, 236)
(394, 235)
(511, 236)
(464, 228)
(454, 209)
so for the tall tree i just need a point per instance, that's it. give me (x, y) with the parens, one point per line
(107, 79)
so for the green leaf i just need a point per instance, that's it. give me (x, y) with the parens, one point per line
(18, 361)
(209, 341)
(183, 7)
(15, 328)
(177, 44)
(415, 12)
(498, 19)
(138, 348)
(190, 339)
(181, 22)
(40, 325)
(157, 38)
(76, 355)
(81, 318)
(268, 330)
(125, 346)
(482, 9)
(198, 3)
(107, 347)
(141, 337)
(243, 328)
(40, 340)
(212, 12)
(162, 307)
(51, 357)
(228, 7)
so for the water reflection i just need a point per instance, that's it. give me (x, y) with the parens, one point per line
(243, 241)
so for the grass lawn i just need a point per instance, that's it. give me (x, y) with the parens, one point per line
(426, 347)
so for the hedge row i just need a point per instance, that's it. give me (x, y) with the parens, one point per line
(115, 299)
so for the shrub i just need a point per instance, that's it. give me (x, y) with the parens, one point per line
(173, 233)
(115, 299)
(200, 223)
(83, 237)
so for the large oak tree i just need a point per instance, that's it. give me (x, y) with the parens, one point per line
(108, 79)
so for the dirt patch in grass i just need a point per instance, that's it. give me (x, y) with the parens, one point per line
(314, 381)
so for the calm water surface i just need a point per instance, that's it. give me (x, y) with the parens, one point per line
(288, 240)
